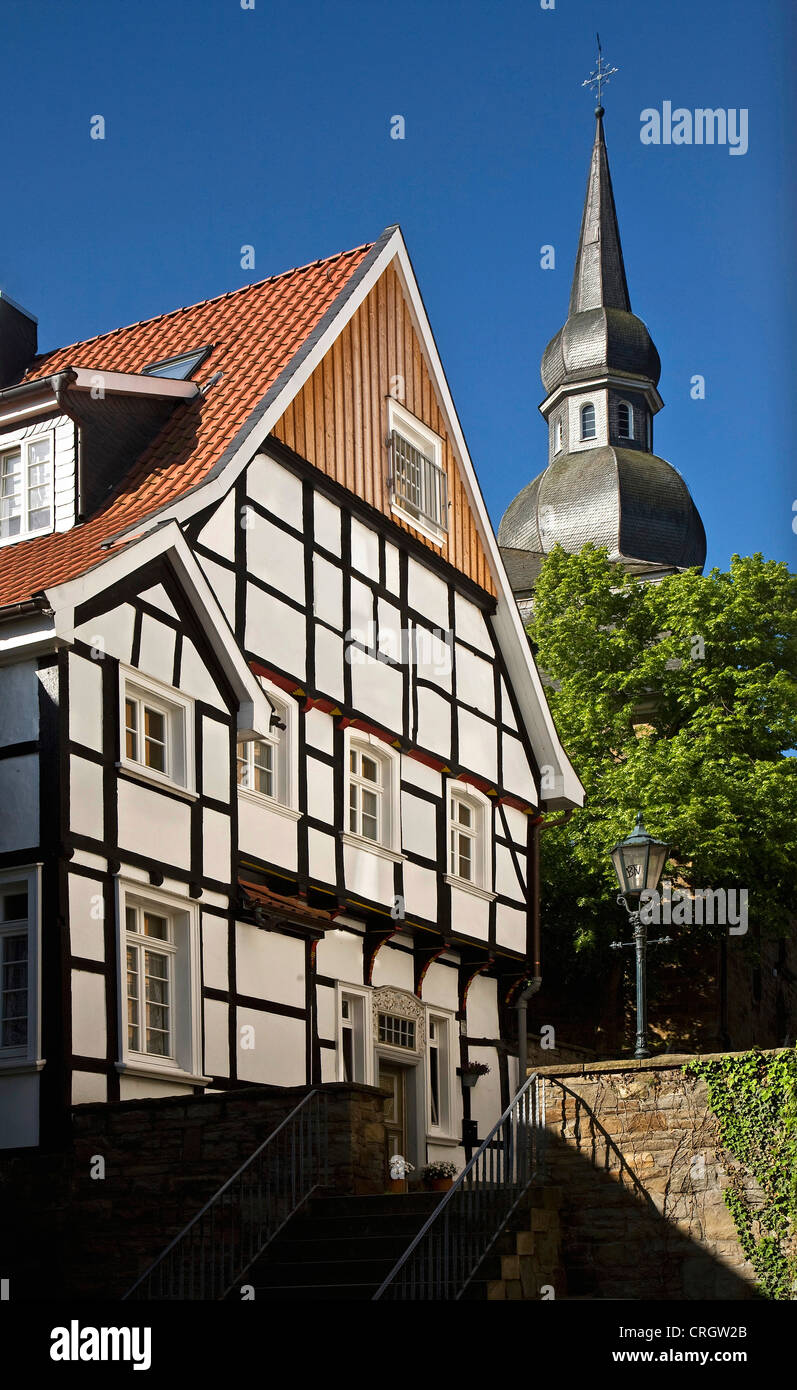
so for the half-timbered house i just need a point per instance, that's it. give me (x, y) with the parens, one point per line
(273, 750)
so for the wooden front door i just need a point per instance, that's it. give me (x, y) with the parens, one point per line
(393, 1079)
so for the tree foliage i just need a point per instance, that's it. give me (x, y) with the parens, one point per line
(679, 699)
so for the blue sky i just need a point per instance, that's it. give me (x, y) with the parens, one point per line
(271, 127)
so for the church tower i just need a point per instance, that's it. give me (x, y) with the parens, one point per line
(603, 482)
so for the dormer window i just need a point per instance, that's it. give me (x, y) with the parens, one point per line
(625, 421)
(26, 489)
(558, 436)
(588, 421)
(418, 481)
(177, 368)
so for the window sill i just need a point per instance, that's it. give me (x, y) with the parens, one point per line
(19, 1065)
(360, 842)
(433, 533)
(466, 886)
(269, 804)
(164, 1073)
(446, 1141)
(163, 784)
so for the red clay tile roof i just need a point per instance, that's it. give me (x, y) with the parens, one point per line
(256, 331)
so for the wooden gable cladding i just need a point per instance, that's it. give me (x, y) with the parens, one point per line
(338, 421)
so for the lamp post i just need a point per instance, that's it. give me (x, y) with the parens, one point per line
(638, 863)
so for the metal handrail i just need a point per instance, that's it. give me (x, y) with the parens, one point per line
(208, 1257)
(464, 1226)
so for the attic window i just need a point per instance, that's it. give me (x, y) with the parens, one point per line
(418, 481)
(177, 368)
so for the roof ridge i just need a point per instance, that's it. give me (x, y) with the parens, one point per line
(214, 299)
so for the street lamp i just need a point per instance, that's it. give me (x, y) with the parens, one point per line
(638, 862)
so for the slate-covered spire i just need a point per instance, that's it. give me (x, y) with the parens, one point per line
(599, 278)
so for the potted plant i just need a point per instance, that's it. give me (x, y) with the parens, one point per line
(471, 1072)
(439, 1176)
(399, 1168)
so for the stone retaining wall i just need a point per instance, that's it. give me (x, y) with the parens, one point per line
(64, 1232)
(635, 1150)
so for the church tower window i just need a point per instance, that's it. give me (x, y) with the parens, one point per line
(558, 436)
(588, 421)
(625, 420)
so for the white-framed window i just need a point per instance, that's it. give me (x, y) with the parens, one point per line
(355, 1035)
(469, 838)
(26, 489)
(558, 436)
(372, 810)
(157, 728)
(625, 420)
(418, 479)
(159, 983)
(19, 967)
(440, 1073)
(177, 368)
(268, 767)
(588, 421)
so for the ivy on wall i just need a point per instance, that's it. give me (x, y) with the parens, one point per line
(754, 1098)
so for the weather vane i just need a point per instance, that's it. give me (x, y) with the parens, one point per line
(601, 75)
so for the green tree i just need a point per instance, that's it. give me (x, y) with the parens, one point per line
(679, 699)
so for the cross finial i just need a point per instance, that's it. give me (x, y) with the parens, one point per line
(599, 78)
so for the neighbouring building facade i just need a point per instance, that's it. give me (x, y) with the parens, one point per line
(273, 750)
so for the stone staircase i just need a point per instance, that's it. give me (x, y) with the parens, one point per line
(341, 1248)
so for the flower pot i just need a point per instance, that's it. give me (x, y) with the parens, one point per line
(469, 1078)
(441, 1184)
(397, 1185)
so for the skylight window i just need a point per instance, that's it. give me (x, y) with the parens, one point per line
(177, 368)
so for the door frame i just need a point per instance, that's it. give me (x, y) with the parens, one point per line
(414, 1098)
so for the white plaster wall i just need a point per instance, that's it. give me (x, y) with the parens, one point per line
(510, 927)
(392, 570)
(86, 923)
(111, 632)
(278, 1056)
(440, 987)
(325, 1012)
(19, 1111)
(275, 556)
(215, 760)
(478, 748)
(418, 826)
(470, 914)
(88, 1087)
(156, 656)
(86, 799)
(217, 1041)
(319, 731)
(393, 967)
(428, 594)
(137, 1087)
(89, 1033)
(420, 891)
(506, 879)
(196, 680)
(340, 956)
(275, 630)
(153, 825)
(475, 684)
(507, 712)
(329, 660)
(265, 833)
(421, 775)
(517, 825)
(518, 777)
(216, 845)
(327, 523)
(321, 856)
(573, 427)
(328, 592)
(19, 802)
(377, 690)
(364, 549)
(368, 874)
(470, 624)
(222, 582)
(215, 936)
(19, 703)
(219, 533)
(276, 489)
(434, 722)
(269, 965)
(482, 1009)
(85, 702)
(158, 598)
(320, 790)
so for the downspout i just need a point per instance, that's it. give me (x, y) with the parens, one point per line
(535, 983)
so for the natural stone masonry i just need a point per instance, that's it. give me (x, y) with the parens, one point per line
(64, 1233)
(634, 1148)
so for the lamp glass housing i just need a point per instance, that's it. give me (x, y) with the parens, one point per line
(638, 861)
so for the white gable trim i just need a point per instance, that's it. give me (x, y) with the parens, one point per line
(254, 710)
